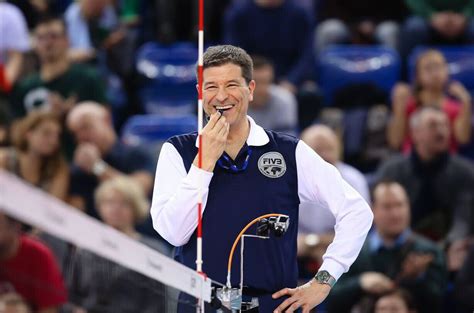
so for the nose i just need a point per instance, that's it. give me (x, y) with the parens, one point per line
(221, 95)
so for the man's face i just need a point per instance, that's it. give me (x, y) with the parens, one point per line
(51, 41)
(89, 129)
(263, 78)
(432, 133)
(325, 145)
(225, 88)
(391, 209)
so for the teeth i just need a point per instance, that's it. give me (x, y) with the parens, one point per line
(223, 107)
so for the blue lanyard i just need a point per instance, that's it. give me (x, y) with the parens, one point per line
(226, 163)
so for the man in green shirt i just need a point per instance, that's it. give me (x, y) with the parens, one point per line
(392, 256)
(437, 22)
(59, 84)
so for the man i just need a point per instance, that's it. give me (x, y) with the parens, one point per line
(437, 22)
(314, 238)
(100, 156)
(439, 185)
(273, 107)
(28, 268)
(59, 84)
(392, 255)
(238, 185)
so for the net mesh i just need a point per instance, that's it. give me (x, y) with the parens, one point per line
(96, 270)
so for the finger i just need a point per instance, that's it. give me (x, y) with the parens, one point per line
(285, 304)
(283, 292)
(293, 307)
(306, 309)
(218, 125)
(213, 120)
(223, 132)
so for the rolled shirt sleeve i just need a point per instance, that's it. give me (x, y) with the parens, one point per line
(320, 182)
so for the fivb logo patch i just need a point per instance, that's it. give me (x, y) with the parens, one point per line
(272, 164)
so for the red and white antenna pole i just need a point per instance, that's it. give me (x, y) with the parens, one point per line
(200, 121)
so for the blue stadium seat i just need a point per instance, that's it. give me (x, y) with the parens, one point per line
(170, 79)
(460, 62)
(341, 65)
(152, 130)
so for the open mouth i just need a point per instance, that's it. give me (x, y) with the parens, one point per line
(223, 108)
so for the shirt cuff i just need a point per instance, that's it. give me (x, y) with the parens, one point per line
(335, 269)
(195, 174)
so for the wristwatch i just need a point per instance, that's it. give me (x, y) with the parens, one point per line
(323, 277)
(99, 167)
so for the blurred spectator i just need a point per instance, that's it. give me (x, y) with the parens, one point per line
(14, 41)
(325, 142)
(100, 156)
(98, 36)
(314, 238)
(464, 287)
(273, 107)
(4, 125)
(431, 88)
(360, 22)
(36, 10)
(59, 84)
(91, 26)
(13, 303)
(439, 184)
(177, 20)
(437, 22)
(100, 285)
(392, 256)
(36, 155)
(396, 301)
(280, 30)
(28, 267)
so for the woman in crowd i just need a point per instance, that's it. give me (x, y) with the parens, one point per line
(99, 285)
(36, 154)
(431, 88)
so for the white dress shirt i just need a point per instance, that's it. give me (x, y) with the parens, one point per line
(175, 197)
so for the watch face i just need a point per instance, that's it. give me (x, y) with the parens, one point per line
(323, 276)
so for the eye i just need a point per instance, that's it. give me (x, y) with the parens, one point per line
(232, 85)
(210, 88)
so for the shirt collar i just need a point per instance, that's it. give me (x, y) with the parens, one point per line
(376, 242)
(257, 135)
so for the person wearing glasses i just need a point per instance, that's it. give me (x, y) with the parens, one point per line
(246, 172)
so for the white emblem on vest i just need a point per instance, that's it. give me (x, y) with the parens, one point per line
(272, 165)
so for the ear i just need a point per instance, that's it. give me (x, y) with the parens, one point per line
(252, 86)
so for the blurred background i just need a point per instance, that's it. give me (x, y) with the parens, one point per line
(90, 89)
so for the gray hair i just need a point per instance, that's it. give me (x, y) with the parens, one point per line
(417, 116)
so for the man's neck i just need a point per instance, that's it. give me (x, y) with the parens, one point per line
(238, 134)
(52, 70)
(424, 155)
(388, 240)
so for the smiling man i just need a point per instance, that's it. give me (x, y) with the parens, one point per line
(248, 171)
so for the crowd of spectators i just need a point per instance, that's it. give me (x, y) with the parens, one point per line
(60, 130)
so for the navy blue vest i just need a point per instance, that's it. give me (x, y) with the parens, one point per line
(234, 200)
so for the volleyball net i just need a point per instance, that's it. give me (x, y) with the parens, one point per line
(103, 269)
